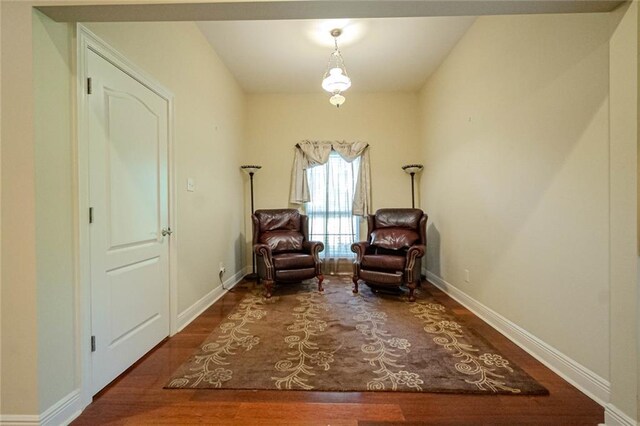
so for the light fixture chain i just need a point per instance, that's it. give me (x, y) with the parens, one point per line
(342, 65)
(339, 58)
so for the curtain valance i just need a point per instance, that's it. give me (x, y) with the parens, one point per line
(309, 154)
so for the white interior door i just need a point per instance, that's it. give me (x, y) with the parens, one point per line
(128, 195)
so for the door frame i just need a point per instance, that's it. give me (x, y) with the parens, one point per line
(87, 41)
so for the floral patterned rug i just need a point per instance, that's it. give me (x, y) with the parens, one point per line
(337, 341)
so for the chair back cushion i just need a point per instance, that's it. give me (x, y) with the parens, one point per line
(398, 218)
(278, 219)
(280, 229)
(282, 240)
(394, 238)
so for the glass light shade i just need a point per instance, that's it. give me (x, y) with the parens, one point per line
(337, 100)
(336, 81)
(250, 168)
(412, 168)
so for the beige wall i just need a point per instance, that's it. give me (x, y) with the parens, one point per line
(0, 209)
(387, 121)
(624, 219)
(1, 364)
(38, 359)
(209, 124)
(516, 181)
(52, 72)
(19, 384)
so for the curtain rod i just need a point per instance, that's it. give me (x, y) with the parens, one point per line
(298, 145)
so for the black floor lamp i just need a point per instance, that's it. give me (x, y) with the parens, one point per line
(412, 169)
(251, 169)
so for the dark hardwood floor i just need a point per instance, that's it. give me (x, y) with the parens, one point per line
(137, 397)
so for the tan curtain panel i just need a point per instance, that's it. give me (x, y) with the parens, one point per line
(309, 154)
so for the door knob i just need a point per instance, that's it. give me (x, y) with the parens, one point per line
(166, 231)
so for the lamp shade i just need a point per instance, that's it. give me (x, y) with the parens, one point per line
(413, 168)
(250, 168)
(337, 81)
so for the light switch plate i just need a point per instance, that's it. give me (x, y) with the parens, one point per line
(191, 186)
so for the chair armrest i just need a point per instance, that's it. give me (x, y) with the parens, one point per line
(263, 250)
(360, 249)
(414, 253)
(313, 248)
(264, 261)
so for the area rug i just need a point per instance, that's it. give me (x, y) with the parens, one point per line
(337, 341)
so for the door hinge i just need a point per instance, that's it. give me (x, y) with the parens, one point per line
(89, 86)
(93, 343)
(90, 214)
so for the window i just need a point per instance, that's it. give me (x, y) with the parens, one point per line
(331, 187)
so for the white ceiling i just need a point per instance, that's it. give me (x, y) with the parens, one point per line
(290, 56)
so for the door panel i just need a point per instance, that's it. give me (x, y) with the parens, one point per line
(128, 172)
(132, 169)
(128, 285)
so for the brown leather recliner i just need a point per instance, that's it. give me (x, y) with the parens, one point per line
(392, 254)
(283, 250)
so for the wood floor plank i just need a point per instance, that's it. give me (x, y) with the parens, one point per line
(301, 411)
(138, 397)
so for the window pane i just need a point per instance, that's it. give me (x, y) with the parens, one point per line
(332, 186)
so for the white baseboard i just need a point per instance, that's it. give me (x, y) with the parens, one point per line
(19, 420)
(614, 417)
(193, 311)
(588, 382)
(64, 411)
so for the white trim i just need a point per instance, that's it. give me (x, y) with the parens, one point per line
(588, 382)
(614, 417)
(87, 40)
(64, 411)
(19, 420)
(83, 296)
(173, 224)
(193, 311)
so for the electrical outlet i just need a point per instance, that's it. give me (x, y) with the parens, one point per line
(223, 270)
(466, 276)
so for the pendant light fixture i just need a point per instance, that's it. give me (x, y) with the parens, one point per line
(335, 79)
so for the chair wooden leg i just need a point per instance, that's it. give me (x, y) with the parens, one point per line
(320, 279)
(412, 288)
(267, 288)
(355, 284)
